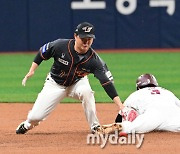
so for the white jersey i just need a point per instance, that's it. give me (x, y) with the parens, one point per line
(152, 97)
(158, 108)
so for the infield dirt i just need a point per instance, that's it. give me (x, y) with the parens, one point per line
(66, 130)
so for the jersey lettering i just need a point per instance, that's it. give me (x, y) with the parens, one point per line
(155, 91)
(63, 61)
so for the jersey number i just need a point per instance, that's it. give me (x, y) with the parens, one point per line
(155, 91)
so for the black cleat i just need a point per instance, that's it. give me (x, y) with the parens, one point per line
(21, 129)
(97, 130)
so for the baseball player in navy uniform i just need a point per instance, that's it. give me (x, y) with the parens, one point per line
(74, 59)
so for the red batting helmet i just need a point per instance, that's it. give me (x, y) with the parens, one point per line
(146, 80)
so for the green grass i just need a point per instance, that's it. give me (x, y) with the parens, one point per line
(125, 67)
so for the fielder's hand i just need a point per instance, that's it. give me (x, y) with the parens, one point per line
(128, 114)
(27, 77)
(24, 81)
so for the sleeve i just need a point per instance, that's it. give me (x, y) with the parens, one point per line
(110, 90)
(47, 50)
(45, 53)
(38, 59)
(133, 101)
(105, 77)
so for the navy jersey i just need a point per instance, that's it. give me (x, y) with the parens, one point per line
(70, 66)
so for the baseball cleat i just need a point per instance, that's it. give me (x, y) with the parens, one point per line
(97, 130)
(21, 129)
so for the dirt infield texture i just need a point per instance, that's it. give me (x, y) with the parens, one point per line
(66, 130)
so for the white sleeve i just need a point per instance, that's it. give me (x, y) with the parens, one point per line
(127, 102)
(134, 101)
(130, 100)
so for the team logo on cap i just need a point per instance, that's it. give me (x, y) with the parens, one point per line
(87, 29)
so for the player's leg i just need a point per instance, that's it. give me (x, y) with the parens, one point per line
(83, 92)
(172, 120)
(47, 100)
(144, 123)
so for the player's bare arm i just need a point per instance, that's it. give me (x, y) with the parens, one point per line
(30, 73)
(118, 102)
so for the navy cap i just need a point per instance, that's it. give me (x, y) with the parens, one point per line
(85, 30)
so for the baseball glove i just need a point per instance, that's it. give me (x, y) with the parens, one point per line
(110, 128)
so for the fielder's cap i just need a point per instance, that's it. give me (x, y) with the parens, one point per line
(85, 30)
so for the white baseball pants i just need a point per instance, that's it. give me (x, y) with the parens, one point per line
(53, 93)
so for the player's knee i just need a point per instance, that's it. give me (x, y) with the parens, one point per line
(85, 93)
